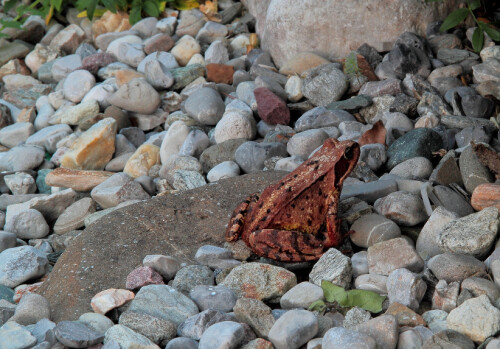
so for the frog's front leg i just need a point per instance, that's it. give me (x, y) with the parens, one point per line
(237, 221)
(285, 245)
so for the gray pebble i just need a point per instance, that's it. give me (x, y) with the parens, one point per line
(301, 296)
(216, 53)
(7, 240)
(33, 264)
(194, 326)
(406, 288)
(15, 134)
(182, 342)
(205, 106)
(373, 155)
(166, 266)
(372, 228)
(97, 322)
(76, 335)
(250, 156)
(304, 143)
(339, 337)
(192, 275)
(225, 334)
(31, 309)
(332, 266)
(293, 329)
(218, 297)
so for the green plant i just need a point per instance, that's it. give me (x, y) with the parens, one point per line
(336, 296)
(89, 8)
(460, 14)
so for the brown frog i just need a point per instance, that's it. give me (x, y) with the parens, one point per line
(295, 219)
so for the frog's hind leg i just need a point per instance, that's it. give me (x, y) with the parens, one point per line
(285, 245)
(237, 221)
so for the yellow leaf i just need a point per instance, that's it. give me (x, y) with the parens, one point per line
(186, 4)
(49, 15)
(97, 13)
(209, 9)
(162, 6)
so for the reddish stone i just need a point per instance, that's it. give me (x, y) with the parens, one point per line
(22, 290)
(143, 276)
(159, 42)
(220, 73)
(271, 108)
(93, 62)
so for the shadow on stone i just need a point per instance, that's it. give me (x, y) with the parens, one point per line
(174, 225)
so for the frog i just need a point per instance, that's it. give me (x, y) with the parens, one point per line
(295, 219)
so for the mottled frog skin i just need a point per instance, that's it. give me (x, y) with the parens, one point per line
(295, 219)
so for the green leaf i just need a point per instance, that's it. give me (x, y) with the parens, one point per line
(475, 4)
(478, 39)
(454, 19)
(10, 23)
(9, 5)
(135, 15)
(151, 8)
(367, 300)
(57, 4)
(110, 5)
(492, 32)
(318, 306)
(333, 293)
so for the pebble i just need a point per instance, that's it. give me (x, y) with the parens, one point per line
(235, 125)
(34, 264)
(406, 288)
(324, 84)
(136, 96)
(127, 338)
(166, 266)
(141, 277)
(225, 169)
(251, 155)
(76, 335)
(95, 321)
(301, 296)
(226, 334)
(339, 337)
(332, 266)
(473, 234)
(194, 326)
(213, 297)
(372, 228)
(427, 244)
(117, 189)
(256, 314)
(293, 329)
(402, 207)
(268, 282)
(156, 329)
(476, 318)
(386, 256)
(109, 299)
(73, 217)
(205, 106)
(192, 275)
(455, 267)
(29, 224)
(302, 144)
(31, 309)
(384, 329)
(14, 335)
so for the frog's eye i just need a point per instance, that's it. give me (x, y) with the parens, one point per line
(348, 153)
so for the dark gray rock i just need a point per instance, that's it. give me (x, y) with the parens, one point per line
(250, 156)
(76, 335)
(418, 142)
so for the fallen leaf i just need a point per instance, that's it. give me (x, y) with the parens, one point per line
(488, 157)
(209, 9)
(374, 135)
